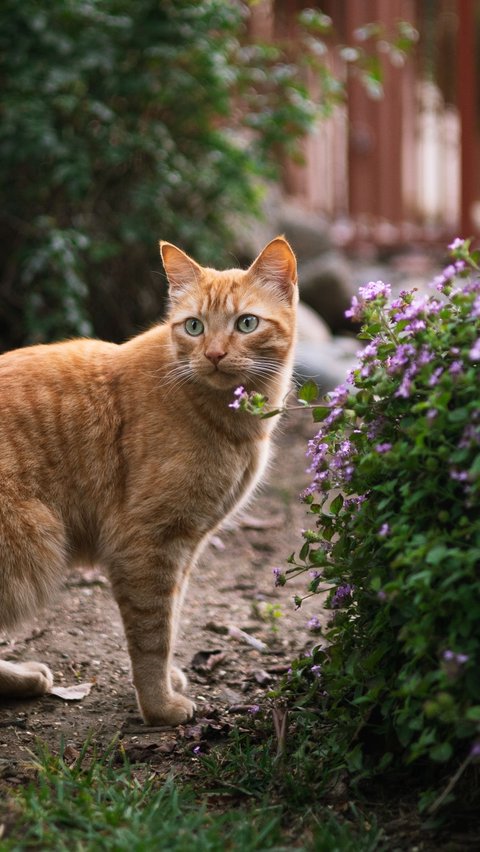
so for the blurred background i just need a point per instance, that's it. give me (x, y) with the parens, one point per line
(351, 126)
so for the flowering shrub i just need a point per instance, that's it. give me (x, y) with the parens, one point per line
(395, 500)
(399, 544)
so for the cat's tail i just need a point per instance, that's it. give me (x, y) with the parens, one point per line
(32, 558)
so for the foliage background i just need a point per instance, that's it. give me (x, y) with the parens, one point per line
(119, 126)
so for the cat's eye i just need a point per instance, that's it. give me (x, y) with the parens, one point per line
(247, 323)
(194, 326)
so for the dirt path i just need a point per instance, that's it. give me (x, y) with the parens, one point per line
(81, 637)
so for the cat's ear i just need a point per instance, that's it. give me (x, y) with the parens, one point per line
(276, 265)
(182, 271)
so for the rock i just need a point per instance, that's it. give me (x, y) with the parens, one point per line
(326, 285)
(311, 328)
(327, 363)
(307, 232)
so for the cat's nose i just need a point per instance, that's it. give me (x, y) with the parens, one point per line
(215, 356)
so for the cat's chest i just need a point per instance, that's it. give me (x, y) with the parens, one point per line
(222, 477)
(199, 482)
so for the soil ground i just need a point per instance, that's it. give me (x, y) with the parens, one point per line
(81, 637)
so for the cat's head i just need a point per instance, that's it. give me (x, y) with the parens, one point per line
(235, 326)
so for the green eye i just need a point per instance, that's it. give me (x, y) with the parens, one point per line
(247, 323)
(194, 326)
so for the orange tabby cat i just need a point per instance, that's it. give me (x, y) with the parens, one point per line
(130, 456)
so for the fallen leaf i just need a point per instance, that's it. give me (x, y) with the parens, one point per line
(72, 693)
(242, 636)
(242, 708)
(262, 677)
(70, 754)
(168, 747)
(205, 661)
(279, 668)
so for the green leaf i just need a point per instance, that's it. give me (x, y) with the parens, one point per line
(304, 551)
(308, 392)
(441, 752)
(437, 554)
(473, 714)
(336, 504)
(320, 413)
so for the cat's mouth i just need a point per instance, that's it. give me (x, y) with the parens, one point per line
(220, 378)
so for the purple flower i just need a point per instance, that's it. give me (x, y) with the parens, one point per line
(449, 271)
(424, 356)
(404, 389)
(375, 427)
(454, 663)
(382, 596)
(383, 448)
(457, 243)
(355, 311)
(279, 576)
(341, 596)
(240, 395)
(475, 310)
(373, 290)
(255, 708)
(456, 367)
(415, 325)
(400, 358)
(431, 414)
(439, 283)
(474, 353)
(370, 350)
(338, 396)
(475, 750)
(435, 377)
(316, 670)
(470, 436)
(458, 475)
(314, 623)
(197, 749)
(384, 530)
(354, 502)
(450, 656)
(334, 415)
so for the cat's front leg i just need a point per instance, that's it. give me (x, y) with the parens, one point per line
(147, 596)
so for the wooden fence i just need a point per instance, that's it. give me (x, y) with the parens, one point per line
(402, 167)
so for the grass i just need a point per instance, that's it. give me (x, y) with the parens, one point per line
(97, 805)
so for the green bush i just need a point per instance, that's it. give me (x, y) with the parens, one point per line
(114, 132)
(398, 546)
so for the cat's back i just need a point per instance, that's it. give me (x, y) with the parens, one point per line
(54, 399)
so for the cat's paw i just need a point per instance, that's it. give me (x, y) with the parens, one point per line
(37, 678)
(175, 710)
(178, 679)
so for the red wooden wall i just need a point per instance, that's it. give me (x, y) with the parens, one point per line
(406, 165)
